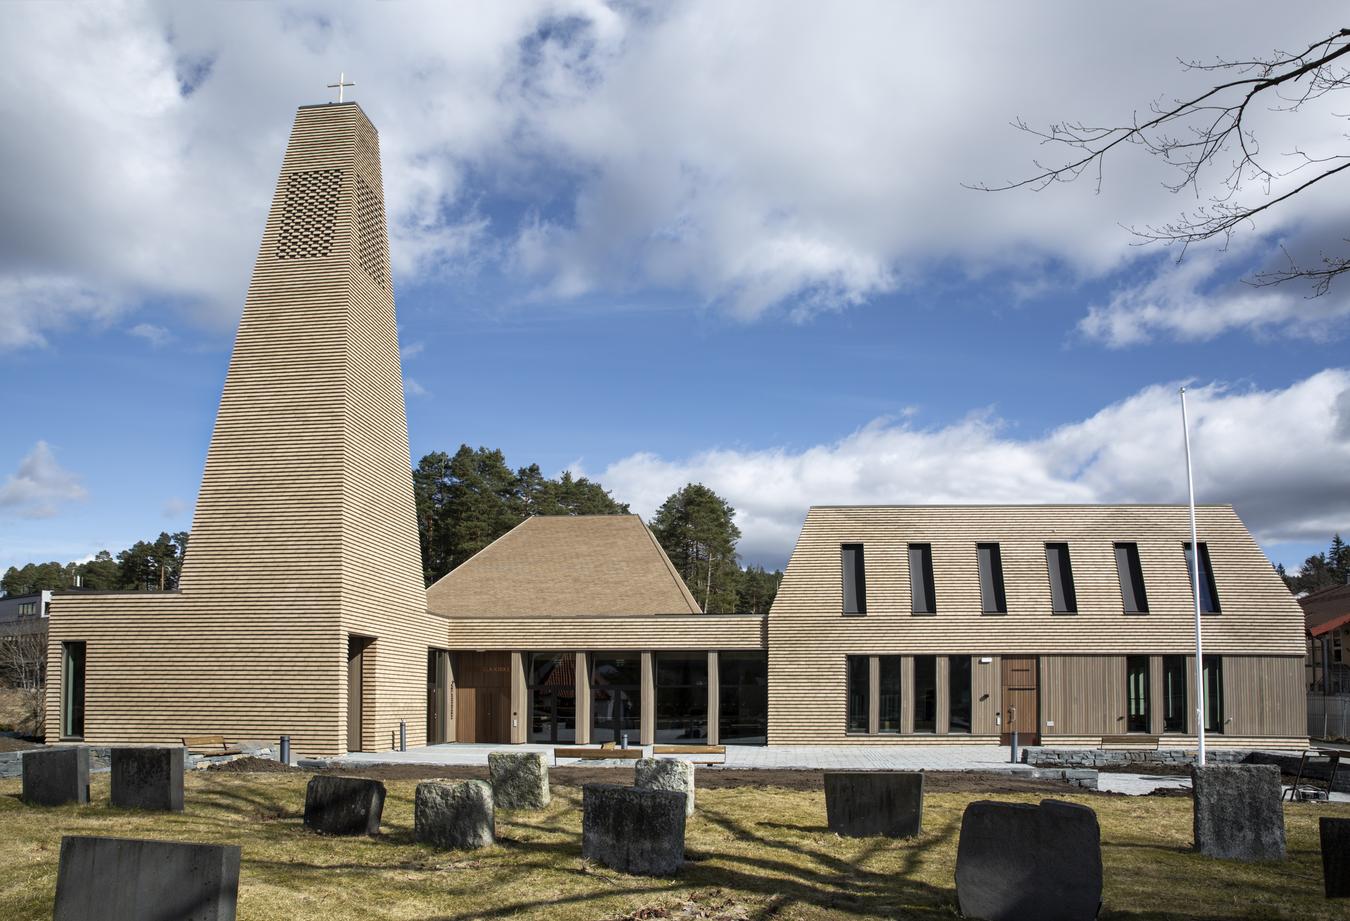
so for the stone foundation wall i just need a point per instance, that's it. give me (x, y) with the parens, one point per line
(1096, 757)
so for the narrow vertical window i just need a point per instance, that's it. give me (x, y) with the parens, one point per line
(1209, 594)
(859, 693)
(889, 691)
(921, 579)
(72, 690)
(1136, 693)
(855, 579)
(1131, 574)
(1174, 693)
(992, 599)
(1062, 597)
(958, 693)
(1213, 679)
(925, 693)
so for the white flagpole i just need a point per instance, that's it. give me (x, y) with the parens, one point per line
(1195, 589)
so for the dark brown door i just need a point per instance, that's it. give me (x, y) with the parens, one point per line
(356, 648)
(1021, 700)
(483, 697)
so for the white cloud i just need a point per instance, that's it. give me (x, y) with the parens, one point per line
(157, 336)
(414, 389)
(768, 157)
(1280, 456)
(174, 507)
(39, 486)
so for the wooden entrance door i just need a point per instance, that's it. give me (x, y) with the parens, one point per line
(1021, 700)
(356, 655)
(483, 697)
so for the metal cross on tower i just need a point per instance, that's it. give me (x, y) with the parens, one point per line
(342, 78)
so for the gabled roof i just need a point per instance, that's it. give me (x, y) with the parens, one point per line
(1326, 610)
(561, 564)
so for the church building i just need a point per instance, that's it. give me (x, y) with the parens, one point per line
(301, 609)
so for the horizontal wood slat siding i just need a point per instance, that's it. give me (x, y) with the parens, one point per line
(304, 528)
(649, 632)
(809, 636)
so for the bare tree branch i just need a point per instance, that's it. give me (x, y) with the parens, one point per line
(1195, 134)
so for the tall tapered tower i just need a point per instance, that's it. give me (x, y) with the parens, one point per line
(301, 607)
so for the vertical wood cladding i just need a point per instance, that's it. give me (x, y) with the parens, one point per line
(1260, 629)
(304, 530)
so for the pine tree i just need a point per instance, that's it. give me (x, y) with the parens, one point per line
(697, 529)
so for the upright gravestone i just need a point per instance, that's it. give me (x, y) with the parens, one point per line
(344, 805)
(859, 804)
(120, 879)
(519, 779)
(1335, 837)
(56, 776)
(666, 774)
(457, 816)
(631, 830)
(148, 778)
(1237, 811)
(1019, 862)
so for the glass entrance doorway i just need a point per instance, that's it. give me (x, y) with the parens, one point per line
(616, 688)
(553, 697)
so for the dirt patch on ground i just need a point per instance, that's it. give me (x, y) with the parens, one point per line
(712, 778)
(8, 744)
(253, 765)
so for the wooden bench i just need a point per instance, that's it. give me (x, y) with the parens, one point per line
(708, 751)
(209, 745)
(1129, 742)
(598, 754)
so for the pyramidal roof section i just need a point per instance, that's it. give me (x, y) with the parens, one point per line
(568, 565)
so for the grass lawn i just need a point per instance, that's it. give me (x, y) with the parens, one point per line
(753, 852)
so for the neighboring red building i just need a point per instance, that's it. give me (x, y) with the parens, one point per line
(1326, 616)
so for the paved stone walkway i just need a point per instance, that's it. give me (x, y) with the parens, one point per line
(774, 757)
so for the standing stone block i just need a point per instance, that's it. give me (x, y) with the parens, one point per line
(859, 804)
(148, 778)
(1019, 862)
(456, 816)
(122, 879)
(1335, 835)
(343, 805)
(519, 779)
(1237, 811)
(666, 774)
(55, 777)
(633, 831)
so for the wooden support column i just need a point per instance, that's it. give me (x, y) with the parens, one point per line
(943, 696)
(906, 695)
(647, 707)
(714, 699)
(873, 695)
(583, 684)
(1155, 695)
(519, 699)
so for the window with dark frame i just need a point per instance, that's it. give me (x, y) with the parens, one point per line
(992, 598)
(921, 596)
(855, 579)
(1213, 682)
(888, 689)
(72, 689)
(1136, 693)
(743, 698)
(681, 697)
(1131, 573)
(1174, 693)
(958, 694)
(1062, 597)
(859, 693)
(925, 693)
(1209, 593)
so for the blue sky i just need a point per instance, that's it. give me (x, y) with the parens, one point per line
(616, 252)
